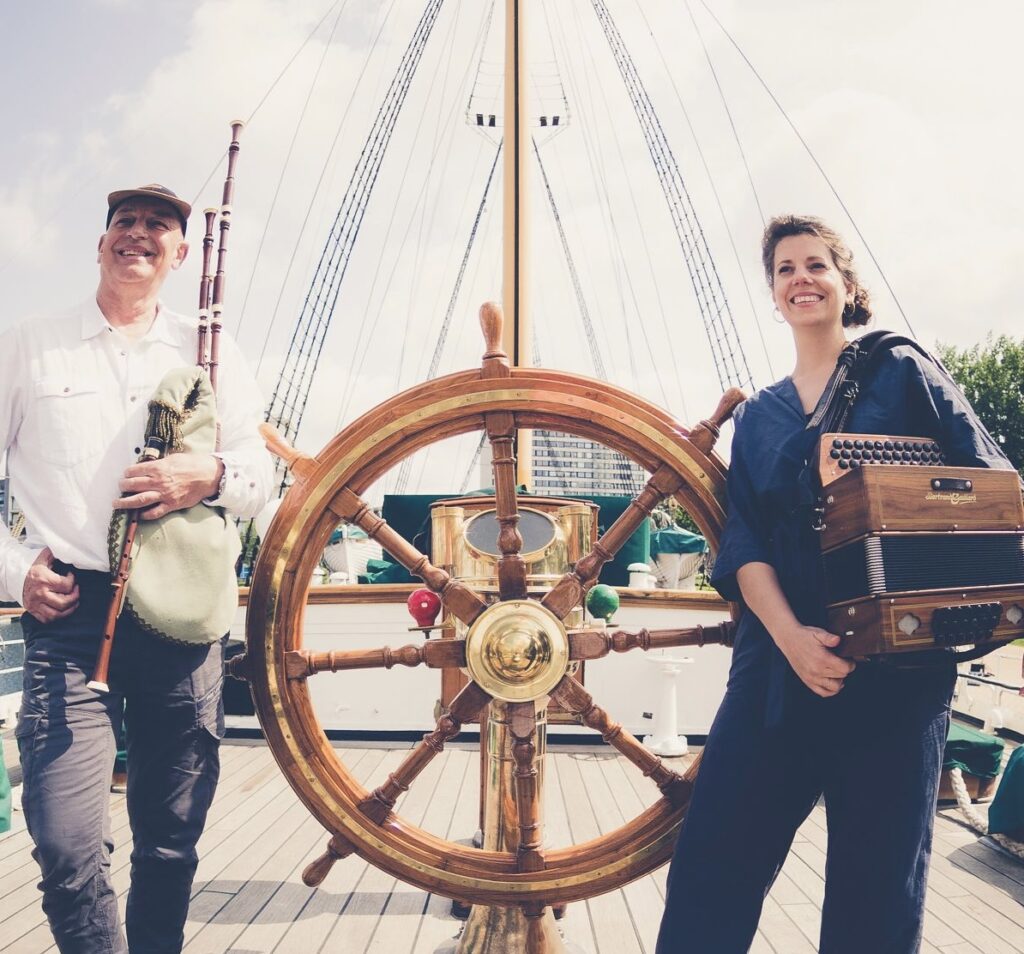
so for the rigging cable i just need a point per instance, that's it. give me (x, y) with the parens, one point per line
(417, 271)
(319, 182)
(364, 339)
(588, 325)
(609, 232)
(284, 169)
(291, 393)
(403, 475)
(727, 349)
(725, 104)
(640, 323)
(266, 95)
(329, 288)
(817, 164)
(707, 170)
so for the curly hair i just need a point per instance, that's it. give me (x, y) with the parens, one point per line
(857, 312)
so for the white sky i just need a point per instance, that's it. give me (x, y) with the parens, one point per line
(912, 108)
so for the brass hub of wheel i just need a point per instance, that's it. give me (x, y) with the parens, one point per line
(517, 651)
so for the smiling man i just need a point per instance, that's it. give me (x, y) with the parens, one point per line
(74, 391)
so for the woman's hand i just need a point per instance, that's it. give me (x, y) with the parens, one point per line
(808, 650)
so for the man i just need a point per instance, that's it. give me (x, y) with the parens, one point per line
(73, 400)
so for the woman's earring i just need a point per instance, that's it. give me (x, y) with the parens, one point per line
(777, 317)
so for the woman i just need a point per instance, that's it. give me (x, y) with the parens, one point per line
(797, 721)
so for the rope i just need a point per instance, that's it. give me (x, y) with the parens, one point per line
(963, 801)
(974, 819)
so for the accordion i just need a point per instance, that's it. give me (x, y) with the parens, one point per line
(918, 555)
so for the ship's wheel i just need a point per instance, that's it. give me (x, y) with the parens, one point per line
(517, 649)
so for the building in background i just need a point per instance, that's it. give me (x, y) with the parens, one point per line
(564, 463)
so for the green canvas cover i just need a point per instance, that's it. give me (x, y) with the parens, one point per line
(5, 795)
(973, 751)
(1006, 813)
(182, 585)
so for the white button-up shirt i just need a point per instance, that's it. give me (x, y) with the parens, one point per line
(74, 395)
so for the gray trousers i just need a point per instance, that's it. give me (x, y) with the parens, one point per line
(169, 698)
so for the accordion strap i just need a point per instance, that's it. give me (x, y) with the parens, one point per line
(855, 363)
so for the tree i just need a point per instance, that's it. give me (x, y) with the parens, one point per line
(992, 377)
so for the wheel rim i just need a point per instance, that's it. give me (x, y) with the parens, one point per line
(354, 459)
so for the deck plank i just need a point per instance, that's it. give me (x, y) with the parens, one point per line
(249, 899)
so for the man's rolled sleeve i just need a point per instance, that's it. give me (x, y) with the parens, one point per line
(248, 466)
(16, 560)
(245, 488)
(15, 557)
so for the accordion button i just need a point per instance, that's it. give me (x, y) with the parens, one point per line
(855, 463)
(844, 464)
(898, 445)
(854, 453)
(876, 454)
(859, 445)
(834, 454)
(845, 454)
(888, 445)
(836, 442)
(848, 444)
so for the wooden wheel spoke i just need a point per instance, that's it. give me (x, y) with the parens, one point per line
(464, 706)
(569, 590)
(456, 596)
(434, 654)
(523, 728)
(573, 697)
(595, 643)
(318, 869)
(501, 430)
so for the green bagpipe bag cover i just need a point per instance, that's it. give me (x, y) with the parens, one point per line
(182, 585)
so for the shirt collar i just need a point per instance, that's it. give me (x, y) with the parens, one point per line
(164, 329)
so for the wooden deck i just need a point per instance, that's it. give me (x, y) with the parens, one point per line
(249, 898)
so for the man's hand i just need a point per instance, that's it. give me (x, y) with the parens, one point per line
(808, 650)
(158, 487)
(46, 595)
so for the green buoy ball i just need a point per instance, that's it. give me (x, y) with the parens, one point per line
(602, 602)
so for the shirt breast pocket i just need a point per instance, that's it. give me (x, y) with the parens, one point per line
(67, 413)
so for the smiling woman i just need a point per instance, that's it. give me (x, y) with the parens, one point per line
(795, 717)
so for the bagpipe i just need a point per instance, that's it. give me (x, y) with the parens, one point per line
(175, 576)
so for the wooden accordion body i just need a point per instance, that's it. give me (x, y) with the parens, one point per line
(918, 555)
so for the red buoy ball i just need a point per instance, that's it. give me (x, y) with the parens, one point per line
(424, 605)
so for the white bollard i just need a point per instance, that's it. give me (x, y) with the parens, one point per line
(665, 739)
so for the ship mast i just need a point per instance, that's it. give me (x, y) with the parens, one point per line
(515, 300)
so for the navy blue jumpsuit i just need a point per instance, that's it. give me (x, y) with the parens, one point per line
(874, 750)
